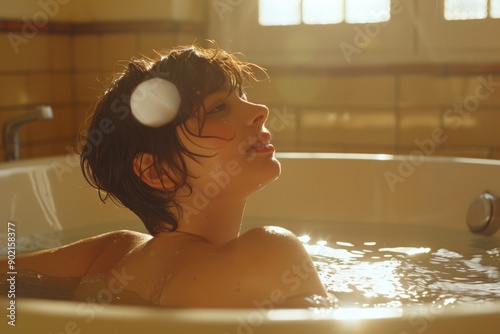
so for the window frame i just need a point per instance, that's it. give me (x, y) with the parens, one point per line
(343, 21)
(488, 13)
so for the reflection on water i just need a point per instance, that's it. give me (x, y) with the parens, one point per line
(367, 275)
(374, 265)
(36, 285)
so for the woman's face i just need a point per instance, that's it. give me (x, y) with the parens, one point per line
(236, 143)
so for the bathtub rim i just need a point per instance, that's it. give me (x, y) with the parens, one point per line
(57, 314)
(384, 157)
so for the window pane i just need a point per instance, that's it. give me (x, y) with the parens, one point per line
(367, 11)
(495, 9)
(279, 12)
(322, 11)
(465, 9)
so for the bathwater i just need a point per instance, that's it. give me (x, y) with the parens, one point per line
(398, 266)
(363, 265)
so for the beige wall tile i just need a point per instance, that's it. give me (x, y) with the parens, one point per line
(428, 90)
(38, 150)
(148, 42)
(87, 88)
(190, 10)
(35, 55)
(61, 125)
(282, 123)
(328, 91)
(324, 147)
(479, 129)
(282, 147)
(495, 153)
(317, 44)
(81, 114)
(188, 38)
(333, 113)
(10, 60)
(417, 124)
(117, 47)
(47, 88)
(345, 127)
(63, 87)
(87, 52)
(13, 90)
(61, 56)
(40, 89)
(453, 39)
(115, 10)
(489, 91)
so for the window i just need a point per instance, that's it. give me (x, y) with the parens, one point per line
(294, 12)
(471, 9)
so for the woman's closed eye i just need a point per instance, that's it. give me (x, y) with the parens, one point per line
(218, 108)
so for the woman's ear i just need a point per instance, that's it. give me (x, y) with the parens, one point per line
(145, 168)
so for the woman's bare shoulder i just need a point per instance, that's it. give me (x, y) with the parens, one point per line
(264, 265)
(269, 244)
(113, 246)
(77, 259)
(117, 235)
(277, 251)
(269, 234)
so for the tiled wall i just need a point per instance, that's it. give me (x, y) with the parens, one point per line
(381, 87)
(448, 110)
(40, 72)
(321, 104)
(66, 66)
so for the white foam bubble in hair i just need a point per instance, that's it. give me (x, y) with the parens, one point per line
(155, 102)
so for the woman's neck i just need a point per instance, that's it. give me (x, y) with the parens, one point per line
(217, 220)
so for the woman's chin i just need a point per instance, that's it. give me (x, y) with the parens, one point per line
(269, 176)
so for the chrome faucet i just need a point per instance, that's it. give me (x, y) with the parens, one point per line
(12, 129)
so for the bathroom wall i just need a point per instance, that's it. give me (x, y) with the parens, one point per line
(62, 53)
(415, 85)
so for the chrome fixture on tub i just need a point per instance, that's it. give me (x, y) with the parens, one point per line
(483, 216)
(12, 129)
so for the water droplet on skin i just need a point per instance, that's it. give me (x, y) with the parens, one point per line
(217, 166)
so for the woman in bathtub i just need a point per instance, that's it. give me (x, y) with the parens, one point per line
(188, 181)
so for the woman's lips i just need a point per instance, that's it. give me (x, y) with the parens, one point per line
(263, 144)
(261, 148)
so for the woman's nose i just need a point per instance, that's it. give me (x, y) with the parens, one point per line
(258, 115)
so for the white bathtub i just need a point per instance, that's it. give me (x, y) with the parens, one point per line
(315, 190)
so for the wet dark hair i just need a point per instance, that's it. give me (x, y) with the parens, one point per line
(114, 138)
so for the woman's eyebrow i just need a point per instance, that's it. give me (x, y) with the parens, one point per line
(222, 92)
